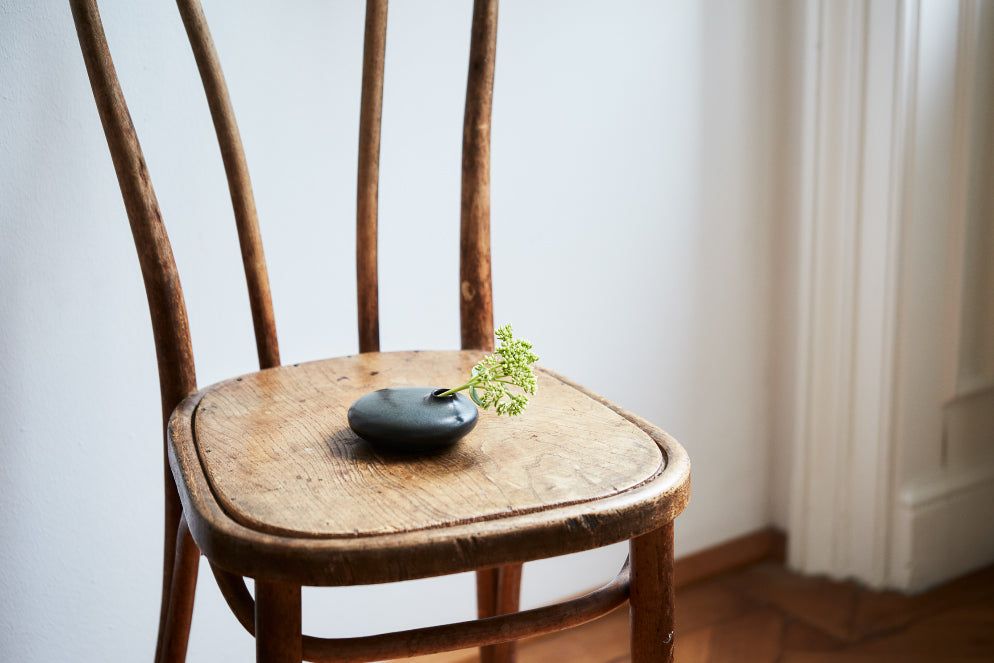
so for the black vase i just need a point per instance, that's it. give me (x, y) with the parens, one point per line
(412, 419)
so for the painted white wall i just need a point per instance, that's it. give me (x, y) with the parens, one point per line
(640, 235)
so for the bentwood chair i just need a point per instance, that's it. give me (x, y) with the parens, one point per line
(265, 479)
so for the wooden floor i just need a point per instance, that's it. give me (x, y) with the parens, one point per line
(765, 613)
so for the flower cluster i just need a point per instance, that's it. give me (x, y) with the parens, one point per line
(509, 366)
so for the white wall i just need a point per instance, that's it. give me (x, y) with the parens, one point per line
(639, 236)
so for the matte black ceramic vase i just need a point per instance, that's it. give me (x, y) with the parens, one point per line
(412, 419)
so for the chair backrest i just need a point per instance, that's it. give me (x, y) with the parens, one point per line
(162, 286)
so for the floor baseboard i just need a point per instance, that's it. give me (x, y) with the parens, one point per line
(769, 544)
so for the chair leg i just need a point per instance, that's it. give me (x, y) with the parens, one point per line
(171, 517)
(183, 588)
(278, 637)
(651, 602)
(498, 592)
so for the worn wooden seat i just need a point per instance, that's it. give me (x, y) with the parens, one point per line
(266, 480)
(271, 453)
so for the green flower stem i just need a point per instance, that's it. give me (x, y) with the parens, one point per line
(509, 366)
(471, 383)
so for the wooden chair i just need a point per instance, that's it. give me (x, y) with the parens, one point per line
(266, 481)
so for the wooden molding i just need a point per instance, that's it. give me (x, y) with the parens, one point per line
(858, 108)
(768, 544)
(938, 534)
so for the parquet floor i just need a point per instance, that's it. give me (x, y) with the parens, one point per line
(764, 613)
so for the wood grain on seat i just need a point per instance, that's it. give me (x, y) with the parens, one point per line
(272, 472)
(280, 457)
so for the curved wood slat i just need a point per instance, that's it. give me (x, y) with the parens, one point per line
(495, 587)
(172, 513)
(162, 287)
(236, 594)
(172, 648)
(370, 113)
(414, 642)
(170, 328)
(239, 184)
(475, 287)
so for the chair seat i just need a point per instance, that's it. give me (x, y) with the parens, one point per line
(276, 485)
